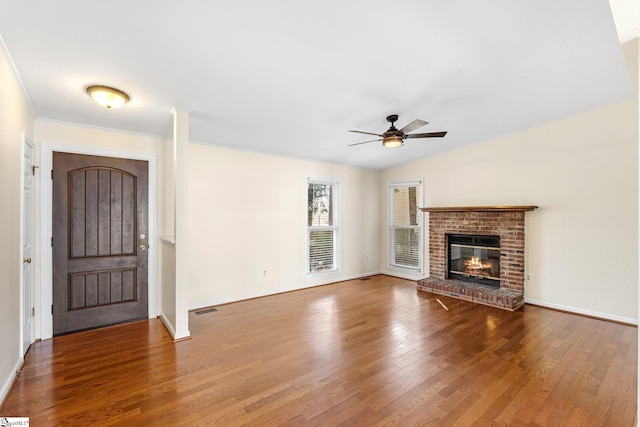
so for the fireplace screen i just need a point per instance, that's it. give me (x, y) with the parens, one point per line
(474, 258)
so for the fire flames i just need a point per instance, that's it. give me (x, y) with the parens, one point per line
(475, 265)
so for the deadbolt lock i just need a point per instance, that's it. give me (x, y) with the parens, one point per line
(142, 236)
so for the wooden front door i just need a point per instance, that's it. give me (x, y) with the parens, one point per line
(100, 241)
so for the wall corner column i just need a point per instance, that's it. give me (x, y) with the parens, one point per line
(181, 220)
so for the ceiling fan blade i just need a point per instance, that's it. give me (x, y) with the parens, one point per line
(366, 133)
(427, 135)
(416, 124)
(365, 142)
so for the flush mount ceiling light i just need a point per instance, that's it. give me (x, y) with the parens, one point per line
(107, 96)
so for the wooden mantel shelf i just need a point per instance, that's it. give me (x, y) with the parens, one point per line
(480, 209)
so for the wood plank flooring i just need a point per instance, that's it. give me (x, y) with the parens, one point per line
(357, 353)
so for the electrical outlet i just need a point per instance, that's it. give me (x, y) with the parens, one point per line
(264, 272)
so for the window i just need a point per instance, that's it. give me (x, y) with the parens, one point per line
(322, 228)
(405, 230)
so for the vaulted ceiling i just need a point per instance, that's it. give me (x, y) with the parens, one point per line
(292, 77)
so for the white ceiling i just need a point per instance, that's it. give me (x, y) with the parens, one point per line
(290, 77)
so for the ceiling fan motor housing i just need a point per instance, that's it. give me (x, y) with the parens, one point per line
(392, 132)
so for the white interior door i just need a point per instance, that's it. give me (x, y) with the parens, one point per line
(28, 310)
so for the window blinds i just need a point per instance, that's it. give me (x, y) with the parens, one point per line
(321, 226)
(405, 226)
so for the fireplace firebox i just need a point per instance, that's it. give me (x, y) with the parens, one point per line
(474, 258)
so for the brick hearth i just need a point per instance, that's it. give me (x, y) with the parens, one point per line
(506, 222)
(482, 294)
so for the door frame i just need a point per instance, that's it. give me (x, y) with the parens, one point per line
(46, 209)
(23, 202)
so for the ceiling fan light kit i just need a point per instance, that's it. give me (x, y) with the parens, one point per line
(107, 97)
(394, 138)
(393, 141)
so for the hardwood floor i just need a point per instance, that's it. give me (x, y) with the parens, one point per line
(357, 353)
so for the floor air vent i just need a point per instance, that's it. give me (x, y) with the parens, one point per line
(206, 310)
(365, 278)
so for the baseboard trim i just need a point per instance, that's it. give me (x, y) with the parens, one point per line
(587, 313)
(167, 325)
(400, 275)
(356, 276)
(8, 384)
(334, 279)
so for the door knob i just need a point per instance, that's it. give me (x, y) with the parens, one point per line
(27, 260)
(142, 247)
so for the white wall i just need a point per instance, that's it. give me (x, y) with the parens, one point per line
(15, 118)
(247, 215)
(80, 135)
(582, 243)
(168, 285)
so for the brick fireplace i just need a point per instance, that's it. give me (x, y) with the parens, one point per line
(504, 222)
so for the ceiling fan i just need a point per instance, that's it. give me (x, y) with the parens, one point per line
(393, 137)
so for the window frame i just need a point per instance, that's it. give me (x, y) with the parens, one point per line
(335, 183)
(391, 227)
